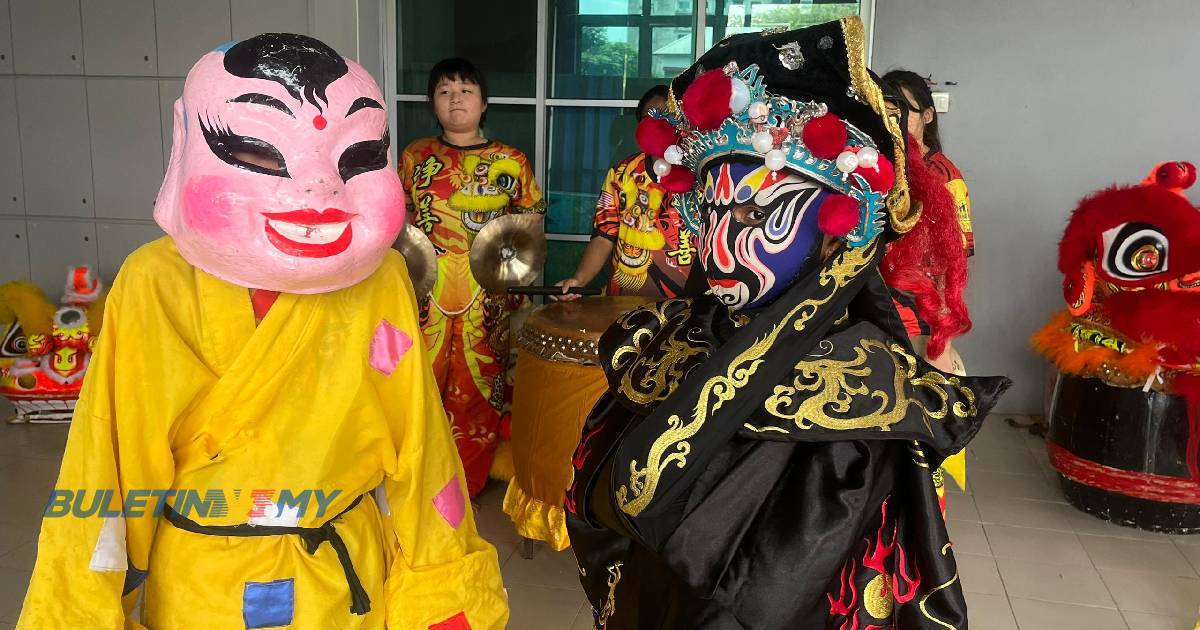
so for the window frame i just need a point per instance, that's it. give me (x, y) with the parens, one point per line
(541, 101)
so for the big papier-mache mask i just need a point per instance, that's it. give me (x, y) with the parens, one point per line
(771, 141)
(281, 176)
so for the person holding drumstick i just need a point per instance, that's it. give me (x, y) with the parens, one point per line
(638, 228)
(456, 183)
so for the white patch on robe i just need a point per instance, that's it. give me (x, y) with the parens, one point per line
(110, 553)
(280, 516)
(381, 500)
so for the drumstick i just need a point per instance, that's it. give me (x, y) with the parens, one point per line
(532, 290)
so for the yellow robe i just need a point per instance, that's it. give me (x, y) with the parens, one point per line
(185, 392)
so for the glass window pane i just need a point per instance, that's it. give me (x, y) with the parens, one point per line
(671, 7)
(413, 120)
(498, 37)
(672, 51)
(617, 49)
(584, 143)
(613, 52)
(608, 7)
(510, 124)
(562, 257)
(732, 17)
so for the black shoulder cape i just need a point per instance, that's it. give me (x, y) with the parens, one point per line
(774, 471)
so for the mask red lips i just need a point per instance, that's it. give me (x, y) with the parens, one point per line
(724, 283)
(309, 233)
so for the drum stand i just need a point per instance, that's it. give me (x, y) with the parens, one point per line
(528, 548)
(1037, 425)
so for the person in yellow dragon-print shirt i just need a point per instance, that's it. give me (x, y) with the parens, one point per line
(457, 182)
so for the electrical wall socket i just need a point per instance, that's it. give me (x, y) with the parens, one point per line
(941, 102)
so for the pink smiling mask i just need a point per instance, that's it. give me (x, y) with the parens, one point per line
(281, 176)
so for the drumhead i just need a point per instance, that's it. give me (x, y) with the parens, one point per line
(569, 331)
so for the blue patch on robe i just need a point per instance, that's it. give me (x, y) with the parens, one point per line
(133, 579)
(269, 604)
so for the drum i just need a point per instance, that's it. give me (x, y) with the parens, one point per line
(1121, 455)
(558, 379)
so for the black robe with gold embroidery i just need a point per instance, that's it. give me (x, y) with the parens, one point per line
(772, 471)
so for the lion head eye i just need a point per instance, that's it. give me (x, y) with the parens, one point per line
(1133, 251)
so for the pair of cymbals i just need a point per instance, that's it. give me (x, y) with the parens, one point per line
(508, 252)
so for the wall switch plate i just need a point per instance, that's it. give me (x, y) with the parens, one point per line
(941, 102)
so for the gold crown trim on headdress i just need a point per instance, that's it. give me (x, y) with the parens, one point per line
(902, 213)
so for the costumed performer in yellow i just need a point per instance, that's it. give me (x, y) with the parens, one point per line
(258, 444)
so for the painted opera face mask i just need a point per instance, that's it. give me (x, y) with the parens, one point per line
(760, 230)
(281, 176)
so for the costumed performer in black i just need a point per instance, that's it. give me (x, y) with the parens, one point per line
(762, 459)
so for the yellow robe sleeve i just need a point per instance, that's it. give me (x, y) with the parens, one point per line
(442, 568)
(117, 442)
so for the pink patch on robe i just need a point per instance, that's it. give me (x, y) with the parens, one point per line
(389, 345)
(457, 622)
(450, 503)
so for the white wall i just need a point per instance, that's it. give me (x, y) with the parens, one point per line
(1054, 100)
(86, 89)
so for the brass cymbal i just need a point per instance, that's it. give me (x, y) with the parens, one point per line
(509, 251)
(419, 257)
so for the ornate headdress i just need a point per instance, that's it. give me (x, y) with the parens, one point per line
(801, 100)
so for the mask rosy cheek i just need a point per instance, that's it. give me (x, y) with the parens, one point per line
(213, 204)
(394, 213)
(384, 210)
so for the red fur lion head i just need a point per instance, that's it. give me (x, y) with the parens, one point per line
(1134, 253)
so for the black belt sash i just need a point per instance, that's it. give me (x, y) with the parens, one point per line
(360, 604)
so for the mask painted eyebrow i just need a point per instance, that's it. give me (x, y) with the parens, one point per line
(363, 102)
(263, 99)
(364, 157)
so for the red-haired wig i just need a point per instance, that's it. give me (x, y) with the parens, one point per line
(929, 262)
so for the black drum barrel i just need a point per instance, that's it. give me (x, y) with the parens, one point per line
(1121, 455)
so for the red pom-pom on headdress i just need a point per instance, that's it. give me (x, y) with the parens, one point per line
(825, 136)
(678, 180)
(654, 135)
(881, 177)
(706, 101)
(838, 215)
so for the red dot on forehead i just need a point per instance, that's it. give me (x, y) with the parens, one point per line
(319, 122)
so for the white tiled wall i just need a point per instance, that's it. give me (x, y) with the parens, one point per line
(86, 94)
(47, 36)
(6, 58)
(127, 141)
(12, 195)
(14, 248)
(56, 158)
(191, 29)
(119, 37)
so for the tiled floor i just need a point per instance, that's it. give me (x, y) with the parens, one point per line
(1027, 559)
